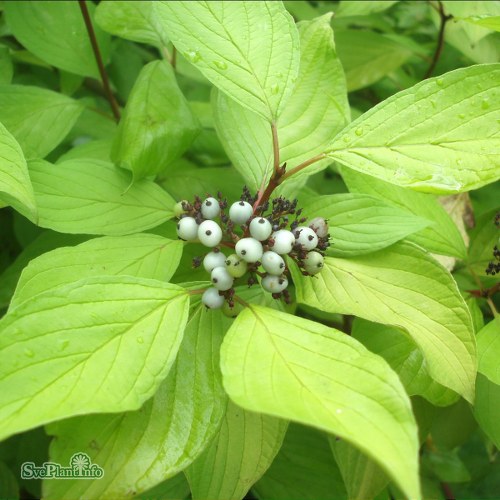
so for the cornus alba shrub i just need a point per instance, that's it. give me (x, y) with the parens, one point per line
(331, 330)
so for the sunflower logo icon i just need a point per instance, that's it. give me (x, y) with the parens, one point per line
(79, 462)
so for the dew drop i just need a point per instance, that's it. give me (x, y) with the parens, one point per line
(139, 340)
(275, 88)
(461, 116)
(485, 104)
(439, 81)
(63, 344)
(359, 131)
(29, 353)
(346, 138)
(220, 64)
(192, 56)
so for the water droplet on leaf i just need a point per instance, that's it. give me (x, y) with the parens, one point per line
(140, 340)
(220, 64)
(192, 56)
(29, 353)
(439, 81)
(275, 88)
(359, 131)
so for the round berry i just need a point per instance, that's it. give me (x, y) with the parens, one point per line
(240, 212)
(213, 260)
(274, 284)
(212, 299)
(232, 312)
(260, 228)
(210, 208)
(236, 267)
(187, 229)
(306, 237)
(249, 249)
(209, 233)
(273, 263)
(319, 226)
(283, 241)
(179, 209)
(221, 279)
(313, 263)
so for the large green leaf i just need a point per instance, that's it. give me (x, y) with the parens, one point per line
(363, 478)
(96, 345)
(298, 369)
(140, 255)
(249, 50)
(405, 358)
(39, 119)
(488, 350)
(56, 33)
(157, 125)
(368, 56)
(402, 286)
(439, 136)
(315, 112)
(487, 407)
(176, 488)
(362, 224)
(349, 8)
(160, 439)
(136, 21)
(442, 237)
(6, 66)
(15, 184)
(94, 197)
(304, 469)
(237, 457)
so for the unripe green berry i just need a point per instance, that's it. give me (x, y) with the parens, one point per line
(313, 263)
(236, 267)
(232, 312)
(178, 209)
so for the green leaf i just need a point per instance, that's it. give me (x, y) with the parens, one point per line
(487, 407)
(136, 21)
(56, 33)
(139, 255)
(405, 287)
(249, 50)
(8, 483)
(488, 350)
(39, 119)
(298, 369)
(363, 478)
(314, 113)
(157, 125)
(96, 345)
(97, 150)
(175, 488)
(442, 237)
(489, 22)
(405, 358)
(362, 224)
(43, 243)
(160, 439)
(15, 184)
(362, 7)
(482, 240)
(6, 66)
(94, 197)
(304, 469)
(237, 457)
(439, 136)
(368, 56)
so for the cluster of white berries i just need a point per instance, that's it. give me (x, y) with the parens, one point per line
(260, 243)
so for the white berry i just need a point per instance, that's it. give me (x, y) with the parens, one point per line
(212, 299)
(273, 263)
(210, 208)
(187, 229)
(313, 263)
(283, 241)
(221, 278)
(236, 267)
(260, 228)
(274, 284)
(319, 226)
(240, 212)
(209, 233)
(306, 237)
(249, 249)
(213, 260)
